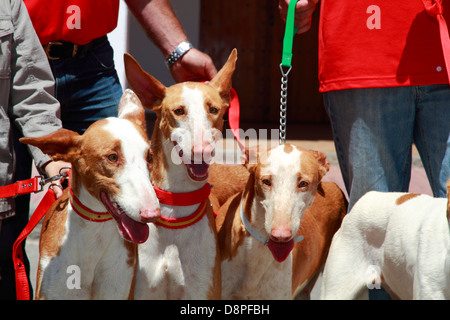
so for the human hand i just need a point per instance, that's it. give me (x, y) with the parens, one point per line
(193, 66)
(304, 10)
(54, 168)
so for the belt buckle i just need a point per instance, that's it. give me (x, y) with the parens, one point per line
(48, 47)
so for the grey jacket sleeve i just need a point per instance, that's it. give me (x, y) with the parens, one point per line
(34, 109)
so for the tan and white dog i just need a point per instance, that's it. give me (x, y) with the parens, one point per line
(89, 236)
(399, 241)
(181, 260)
(258, 227)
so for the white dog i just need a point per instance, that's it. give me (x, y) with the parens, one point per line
(398, 240)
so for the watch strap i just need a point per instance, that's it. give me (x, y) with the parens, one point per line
(180, 50)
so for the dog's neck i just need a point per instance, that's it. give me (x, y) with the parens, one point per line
(168, 176)
(252, 206)
(82, 194)
(257, 251)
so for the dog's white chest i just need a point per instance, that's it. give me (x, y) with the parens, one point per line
(176, 264)
(90, 256)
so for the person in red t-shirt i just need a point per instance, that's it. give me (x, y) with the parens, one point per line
(386, 86)
(74, 36)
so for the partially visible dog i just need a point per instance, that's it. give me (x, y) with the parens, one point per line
(399, 241)
(89, 236)
(258, 226)
(181, 260)
(320, 223)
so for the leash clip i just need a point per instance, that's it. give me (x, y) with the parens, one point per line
(44, 180)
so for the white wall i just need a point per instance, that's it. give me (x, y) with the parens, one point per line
(129, 37)
(119, 41)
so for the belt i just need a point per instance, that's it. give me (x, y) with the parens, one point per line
(56, 50)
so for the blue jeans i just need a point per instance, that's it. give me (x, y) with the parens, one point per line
(88, 88)
(374, 130)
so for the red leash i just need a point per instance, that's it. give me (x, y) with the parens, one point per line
(233, 117)
(22, 287)
(35, 184)
(20, 188)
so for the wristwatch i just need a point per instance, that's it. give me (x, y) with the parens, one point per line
(182, 48)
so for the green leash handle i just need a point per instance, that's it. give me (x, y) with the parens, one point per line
(289, 32)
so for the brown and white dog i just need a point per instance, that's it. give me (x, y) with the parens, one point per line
(399, 241)
(181, 260)
(258, 227)
(89, 235)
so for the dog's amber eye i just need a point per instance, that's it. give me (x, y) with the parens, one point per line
(179, 111)
(213, 110)
(113, 157)
(266, 182)
(303, 184)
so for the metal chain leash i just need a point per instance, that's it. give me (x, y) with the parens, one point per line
(283, 103)
(286, 61)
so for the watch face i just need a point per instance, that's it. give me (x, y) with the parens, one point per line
(184, 46)
(179, 51)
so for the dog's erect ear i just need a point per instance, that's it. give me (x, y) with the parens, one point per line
(252, 155)
(60, 145)
(149, 90)
(324, 165)
(130, 108)
(222, 80)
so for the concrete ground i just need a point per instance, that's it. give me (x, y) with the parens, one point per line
(419, 184)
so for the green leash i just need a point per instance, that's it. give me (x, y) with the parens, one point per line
(286, 61)
(289, 32)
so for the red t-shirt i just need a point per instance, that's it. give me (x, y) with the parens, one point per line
(379, 43)
(77, 21)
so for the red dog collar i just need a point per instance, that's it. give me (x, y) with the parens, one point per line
(183, 199)
(85, 212)
(179, 223)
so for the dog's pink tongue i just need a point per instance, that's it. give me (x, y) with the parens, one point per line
(280, 250)
(132, 230)
(198, 171)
